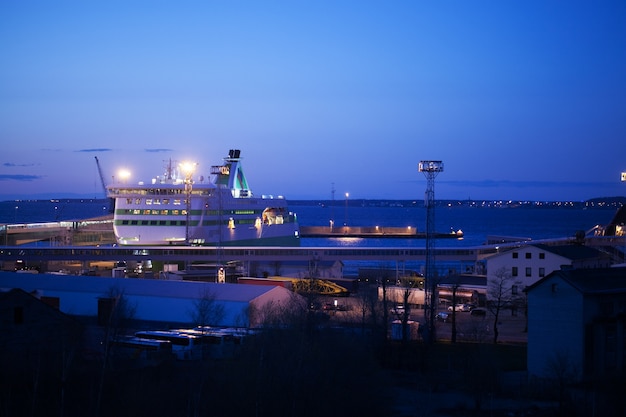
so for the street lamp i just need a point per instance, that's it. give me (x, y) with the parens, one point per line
(188, 169)
(346, 214)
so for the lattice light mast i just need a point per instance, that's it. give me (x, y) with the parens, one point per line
(430, 170)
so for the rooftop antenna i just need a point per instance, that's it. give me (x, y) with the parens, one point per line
(430, 170)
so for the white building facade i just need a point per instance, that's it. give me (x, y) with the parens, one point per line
(528, 264)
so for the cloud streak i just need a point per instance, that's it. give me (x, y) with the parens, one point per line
(18, 177)
(12, 165)
(95, 150)
(156, 150)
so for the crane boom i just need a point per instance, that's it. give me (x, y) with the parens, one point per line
(104, 186)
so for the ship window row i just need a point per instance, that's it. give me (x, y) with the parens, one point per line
(151, 222)
(148, 212)
(155, 201)
(161, 192)
(177, 212)
(229, 222)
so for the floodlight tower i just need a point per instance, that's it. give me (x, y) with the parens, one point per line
(188, 169)
(430, 170)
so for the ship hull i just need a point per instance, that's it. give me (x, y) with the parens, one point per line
(241, 223)
(175, 211)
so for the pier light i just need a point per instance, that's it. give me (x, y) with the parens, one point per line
(123, 175)
(430, 166)
(188, 169)
(345, 223)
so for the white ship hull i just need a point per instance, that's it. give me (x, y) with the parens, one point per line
(173, 211)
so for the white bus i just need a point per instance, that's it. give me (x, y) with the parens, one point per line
(184, 346)
(143, 350)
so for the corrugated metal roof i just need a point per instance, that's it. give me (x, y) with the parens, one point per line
(132, 286)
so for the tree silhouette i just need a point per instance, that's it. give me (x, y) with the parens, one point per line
(501, 294)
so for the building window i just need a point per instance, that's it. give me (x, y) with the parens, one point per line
(514, 271)
(18, 315)
(528, 255)
(555, 287)
(514, 290)
(542, 255)
(542, 272)
(515, 254)
(529, 271)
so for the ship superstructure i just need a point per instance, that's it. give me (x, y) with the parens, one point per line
(177, 209)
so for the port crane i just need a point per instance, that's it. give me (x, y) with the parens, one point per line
(104, 186)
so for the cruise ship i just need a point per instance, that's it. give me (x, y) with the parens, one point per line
(178, 209)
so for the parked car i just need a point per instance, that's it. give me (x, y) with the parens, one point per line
(459, 307)
(444, 317)
(398, 309)
(478, 312)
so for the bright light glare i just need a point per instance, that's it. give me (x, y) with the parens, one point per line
(188, 167)
(124, 174)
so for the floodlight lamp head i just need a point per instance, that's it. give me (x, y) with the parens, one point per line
(430, 166)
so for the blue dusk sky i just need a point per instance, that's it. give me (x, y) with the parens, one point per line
(521, 100)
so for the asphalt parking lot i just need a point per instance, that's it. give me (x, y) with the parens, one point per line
(511, 328)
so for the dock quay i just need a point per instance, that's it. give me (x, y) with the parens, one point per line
(86, 258)
(99, 231)
(91, 242)
(372, 231)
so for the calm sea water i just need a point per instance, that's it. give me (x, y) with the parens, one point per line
(476, 222)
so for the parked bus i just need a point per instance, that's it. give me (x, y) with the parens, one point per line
(184, 346)
(145, 351)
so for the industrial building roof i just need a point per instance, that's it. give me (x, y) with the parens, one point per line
(131, 286)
